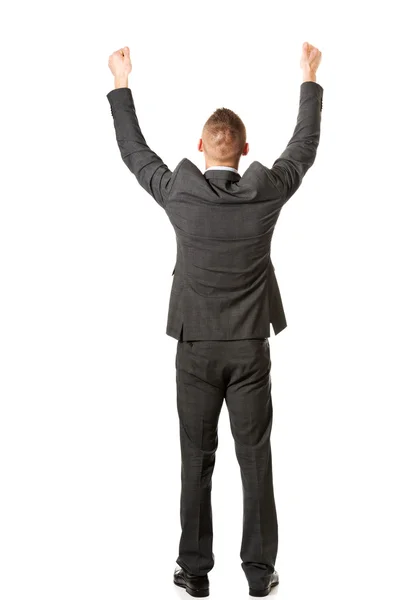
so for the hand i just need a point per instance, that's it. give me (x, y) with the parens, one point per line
(310, 59)
(120, 66)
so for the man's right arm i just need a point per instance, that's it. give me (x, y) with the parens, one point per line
(288, 170)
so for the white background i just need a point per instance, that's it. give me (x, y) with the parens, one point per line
(89, 446)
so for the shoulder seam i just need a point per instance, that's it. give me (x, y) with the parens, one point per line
(177, 168)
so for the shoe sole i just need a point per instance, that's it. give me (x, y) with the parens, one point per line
(195, 593)
(262, 593)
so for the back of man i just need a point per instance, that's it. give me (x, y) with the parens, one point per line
(224, 296)
(224, 284)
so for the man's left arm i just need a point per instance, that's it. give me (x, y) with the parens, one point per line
(150, 171)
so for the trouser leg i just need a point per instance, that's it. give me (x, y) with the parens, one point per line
(249, 402)
(199, 402)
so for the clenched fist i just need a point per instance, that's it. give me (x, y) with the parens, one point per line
(310, 58)
(120, 66)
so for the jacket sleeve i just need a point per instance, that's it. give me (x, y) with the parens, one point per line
(150, 171)
(288, 170)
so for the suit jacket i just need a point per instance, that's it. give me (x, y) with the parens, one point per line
(224, 284)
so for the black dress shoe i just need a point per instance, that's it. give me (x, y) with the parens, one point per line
(273, 580)
(195, 585)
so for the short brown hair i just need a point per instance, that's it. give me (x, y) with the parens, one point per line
(224, 136)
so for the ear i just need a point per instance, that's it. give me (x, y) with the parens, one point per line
(246, 149)
(200, 145)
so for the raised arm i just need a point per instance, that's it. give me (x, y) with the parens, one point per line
(151, 172)
(288, 170)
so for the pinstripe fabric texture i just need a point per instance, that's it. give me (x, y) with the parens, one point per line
(224, 284)
(224, 296)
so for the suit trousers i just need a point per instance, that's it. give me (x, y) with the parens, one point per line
(239, 371)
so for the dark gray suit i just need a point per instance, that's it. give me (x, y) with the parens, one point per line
(224, 283)
(223, 298)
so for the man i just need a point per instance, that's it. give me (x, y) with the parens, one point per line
(223, 298)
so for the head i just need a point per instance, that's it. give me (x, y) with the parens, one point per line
(223, 139)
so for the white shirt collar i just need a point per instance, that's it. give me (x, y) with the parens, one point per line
(223, 167)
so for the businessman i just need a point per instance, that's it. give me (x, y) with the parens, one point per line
(224, 296)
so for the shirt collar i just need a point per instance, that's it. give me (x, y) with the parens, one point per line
(223, 168)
